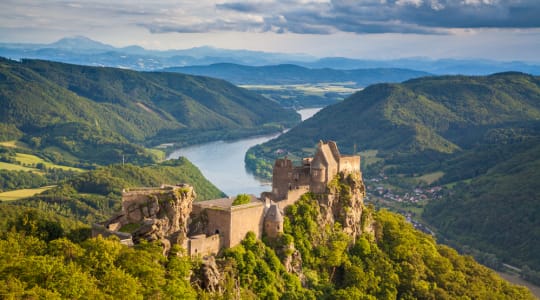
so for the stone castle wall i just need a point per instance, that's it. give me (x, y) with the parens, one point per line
(203, 245)
(231, 223)
(219, 222)
(292, 197)
(349, 164)
(245, 218)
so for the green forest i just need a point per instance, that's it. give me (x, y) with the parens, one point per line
(43, 256)
(481, 133)
(82, 116)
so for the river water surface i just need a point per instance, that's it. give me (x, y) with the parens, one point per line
(223, 162)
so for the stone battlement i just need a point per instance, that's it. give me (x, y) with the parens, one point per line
(315, 172)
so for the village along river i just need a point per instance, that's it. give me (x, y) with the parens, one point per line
(223, 164)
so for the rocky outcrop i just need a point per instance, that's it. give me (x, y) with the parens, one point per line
(343, 203)
(210, 275)
(158, 214)
(293, 263)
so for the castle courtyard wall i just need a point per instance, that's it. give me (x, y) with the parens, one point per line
(203, 245)
(292, 197)
(219, 222)
(245, 218)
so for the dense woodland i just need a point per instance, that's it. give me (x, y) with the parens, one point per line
(84, 116)
(482, 133)
(52, 257)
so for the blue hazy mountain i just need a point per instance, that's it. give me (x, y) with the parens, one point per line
(82, 50)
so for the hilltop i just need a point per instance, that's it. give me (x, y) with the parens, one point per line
(481, 134)
(86, 115)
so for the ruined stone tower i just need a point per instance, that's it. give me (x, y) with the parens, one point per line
(314, 173)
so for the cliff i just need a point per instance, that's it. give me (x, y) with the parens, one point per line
(343, 203)
(155, 214)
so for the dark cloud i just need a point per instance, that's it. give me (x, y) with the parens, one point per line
(280, 16)
(390, 16)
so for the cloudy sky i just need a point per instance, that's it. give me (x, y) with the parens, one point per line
(382, 29)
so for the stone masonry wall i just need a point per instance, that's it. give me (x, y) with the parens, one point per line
(245, 218)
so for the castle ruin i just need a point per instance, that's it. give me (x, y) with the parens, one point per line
(169, 214)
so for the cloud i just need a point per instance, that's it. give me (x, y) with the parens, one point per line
(392, 16)
(277, 16)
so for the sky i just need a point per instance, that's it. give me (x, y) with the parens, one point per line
(371, 29)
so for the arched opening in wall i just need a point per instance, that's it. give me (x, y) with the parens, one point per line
(217, 231)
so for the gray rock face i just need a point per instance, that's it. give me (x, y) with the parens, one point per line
(210, 275)
(160, 214)
(344, 203)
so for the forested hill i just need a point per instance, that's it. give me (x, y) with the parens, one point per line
(98, 114)
(481, 134)
(441, 114)
(293, 74)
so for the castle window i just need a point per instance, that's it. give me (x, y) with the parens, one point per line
(217, 231)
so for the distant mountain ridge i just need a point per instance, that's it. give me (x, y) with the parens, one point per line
(81, 50)
(99, 114)
(294, 74)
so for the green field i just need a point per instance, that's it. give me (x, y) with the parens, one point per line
(14, 144)
(158, 153)
(24, 193)
(317, 88)
(15, 167)
(431, 177)
(29, 159)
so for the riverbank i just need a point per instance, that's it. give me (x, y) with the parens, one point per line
(222, 162)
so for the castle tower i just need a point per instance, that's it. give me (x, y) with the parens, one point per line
(282, 178)
(273, 222)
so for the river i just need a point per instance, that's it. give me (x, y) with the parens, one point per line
(223, 164)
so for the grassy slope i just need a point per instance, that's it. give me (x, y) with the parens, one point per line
(23, 193)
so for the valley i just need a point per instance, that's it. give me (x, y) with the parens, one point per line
(425, 153)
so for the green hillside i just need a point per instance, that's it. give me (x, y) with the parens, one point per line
(497, 211)
(94, 195)
(97, 115)
(480, 134)
(431, 114)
